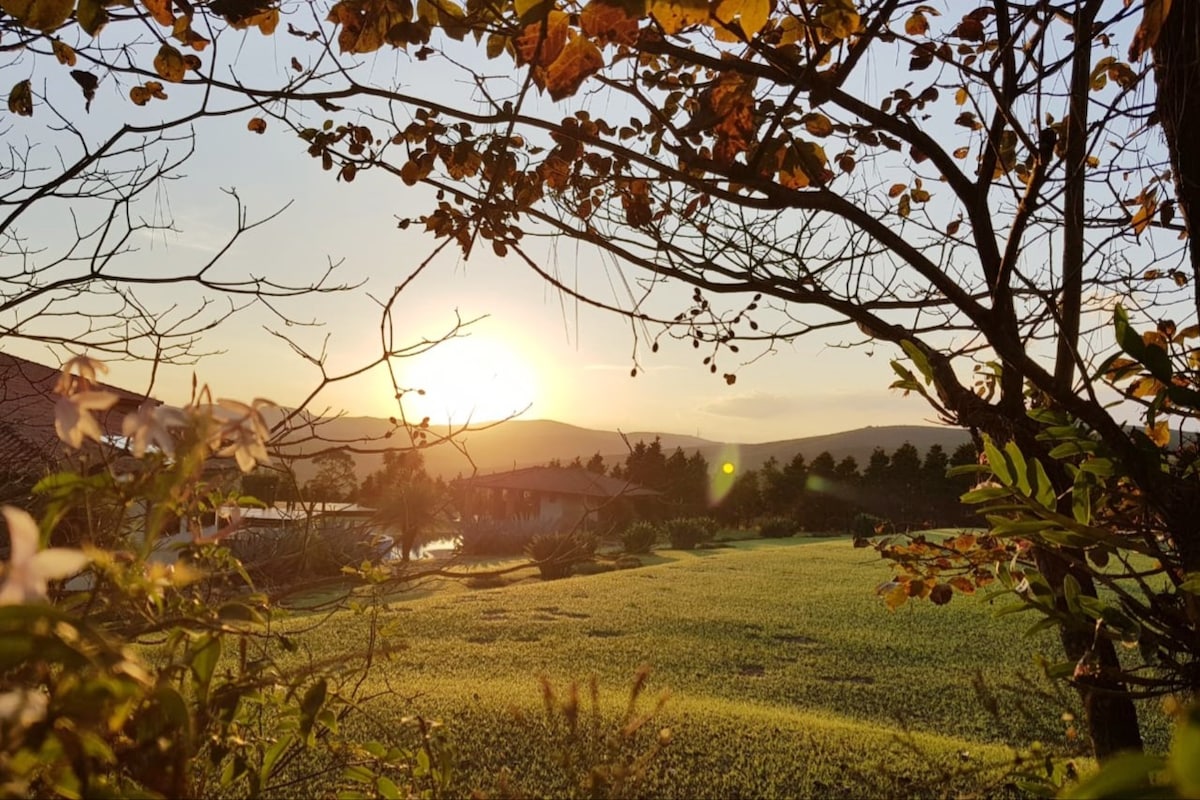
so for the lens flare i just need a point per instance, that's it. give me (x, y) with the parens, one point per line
(723, 474)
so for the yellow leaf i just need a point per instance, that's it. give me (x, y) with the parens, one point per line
(41, 15)
(750, 15)
(917, 24)
(169, 64)
(839, 18)
(1145, 387)
(1159, 433)
(818, 124)
(675, 15)
(895, 596)
(1145, 213)
(961, 96)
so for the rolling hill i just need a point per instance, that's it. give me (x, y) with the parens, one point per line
(522, 443)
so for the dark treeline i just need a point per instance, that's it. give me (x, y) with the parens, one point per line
(905, 489)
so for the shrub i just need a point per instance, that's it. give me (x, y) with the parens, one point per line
(639, 537)
(777, 527)
(866, 525)
(556, 553)
(685, 533)
(499, 537)
(592, 567)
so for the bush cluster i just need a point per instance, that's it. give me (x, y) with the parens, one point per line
(557, 553)
(640, 537)
(866, 525)
(777, 527)
(499, 537)
(684, 533)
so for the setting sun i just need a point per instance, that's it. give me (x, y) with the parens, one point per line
(472, 378)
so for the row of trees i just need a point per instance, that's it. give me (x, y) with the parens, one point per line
(908, 490)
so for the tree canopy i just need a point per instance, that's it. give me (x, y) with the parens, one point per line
(981, 188)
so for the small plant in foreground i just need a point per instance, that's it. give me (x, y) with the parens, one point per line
(685, 533)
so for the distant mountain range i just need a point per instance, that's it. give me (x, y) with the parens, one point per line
(523, 443)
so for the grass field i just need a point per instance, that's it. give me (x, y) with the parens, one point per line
(788, 677)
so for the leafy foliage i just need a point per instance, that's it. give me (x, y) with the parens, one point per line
(776, 527)
(640, 537)
(556, 553)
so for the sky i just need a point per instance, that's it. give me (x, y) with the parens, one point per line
(532, 352)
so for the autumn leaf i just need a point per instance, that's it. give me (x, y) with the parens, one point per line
(160, 11)
(895, 594)
(675, 15)
(169, 64)
(839, 18)
(87, 84)
(611, 21)
(64, 53)
(257, 125)
(1159, 433)
(543, 41)
(749, 15)
(366, 23)
(578, 60)
(964, 585)
(140, 95)
(1145, 214)
(41, 15)
(91, 16)
(20, 99)
(818, 125)
(917, 24)
(941, 594)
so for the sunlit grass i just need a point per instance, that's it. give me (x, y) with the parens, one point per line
(788, 676)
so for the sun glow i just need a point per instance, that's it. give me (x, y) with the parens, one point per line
(468, 379)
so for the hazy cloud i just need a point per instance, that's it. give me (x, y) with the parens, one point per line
(753, 406)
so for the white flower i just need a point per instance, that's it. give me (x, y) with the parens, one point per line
(86, 368)
(245, 426)
(73, 420)
(151, 425)
(28, 570)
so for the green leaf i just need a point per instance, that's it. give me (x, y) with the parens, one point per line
(205, 654)
(1020, 469)
(1073, 448)
(1125, 775)
(314, 698)
(984, 494)
(1042, 487)
(91, 16)
(919, 360)
(1191, 583)
(272, 755)
(387, 788)
(1184, 758)
(1071, 593)
(996, 460)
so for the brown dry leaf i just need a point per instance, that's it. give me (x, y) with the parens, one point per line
(610, 21)
(818, 125)
(257, 125)
(64, 53)
(41, 15)
(169, 64)
(917, 24)
(578, 60)
(160, 10)
(941, 594)
(1145, 213)
(20, 99)
(543, 41)
(964, 585)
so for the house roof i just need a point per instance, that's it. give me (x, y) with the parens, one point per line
(28, 442)
(559, 480)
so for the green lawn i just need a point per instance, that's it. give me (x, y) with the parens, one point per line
(788, 677)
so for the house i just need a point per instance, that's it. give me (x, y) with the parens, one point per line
(564, 497)
(29, 445)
